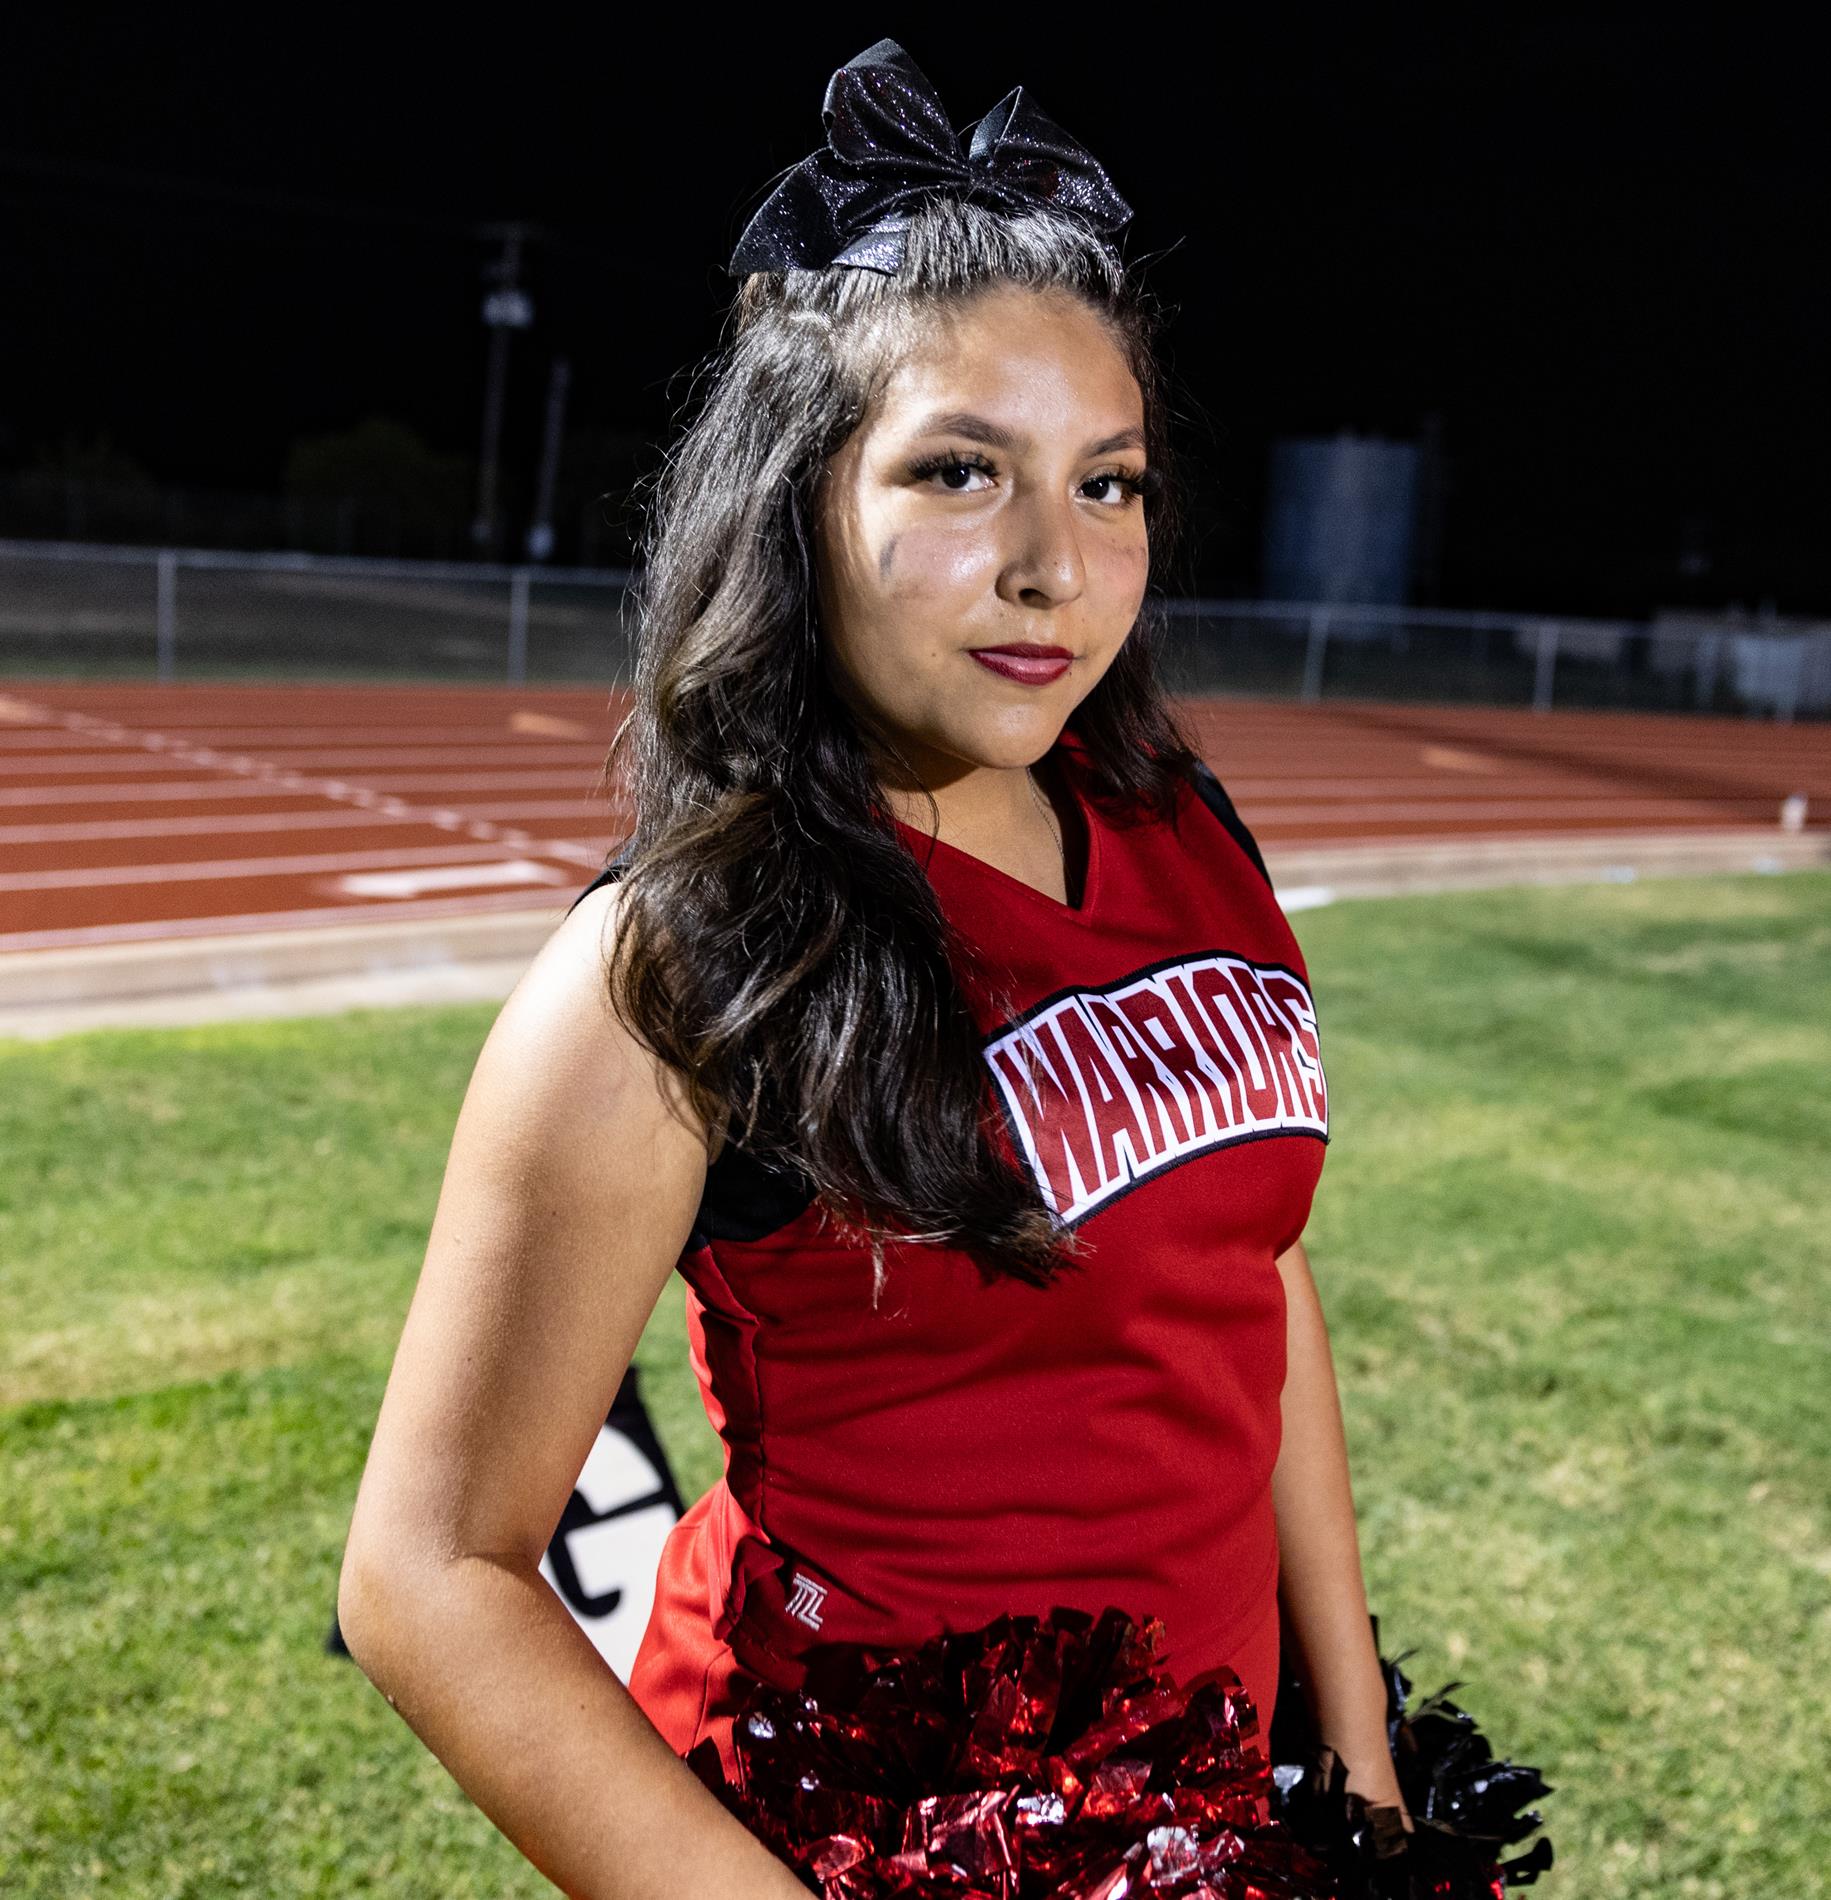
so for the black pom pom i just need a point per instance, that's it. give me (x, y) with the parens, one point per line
(1464, 1805)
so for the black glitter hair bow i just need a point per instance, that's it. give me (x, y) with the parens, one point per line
(889, 144)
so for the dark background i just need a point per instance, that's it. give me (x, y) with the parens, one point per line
(1587, 247)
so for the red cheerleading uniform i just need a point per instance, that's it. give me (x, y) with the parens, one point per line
(971, 1447)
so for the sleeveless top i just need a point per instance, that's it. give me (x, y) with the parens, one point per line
(969, 1446)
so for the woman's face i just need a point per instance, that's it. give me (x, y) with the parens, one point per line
(987, 501)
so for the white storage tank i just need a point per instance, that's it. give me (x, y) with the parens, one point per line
(1341, 519)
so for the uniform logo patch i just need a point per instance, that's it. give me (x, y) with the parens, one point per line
(1107, 1087)
(805, 1599)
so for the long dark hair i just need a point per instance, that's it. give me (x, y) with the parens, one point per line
(777, 943)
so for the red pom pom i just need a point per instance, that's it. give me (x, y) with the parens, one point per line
(1035, 1757)
(1053, 1759)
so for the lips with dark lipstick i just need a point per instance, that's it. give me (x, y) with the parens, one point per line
(1029, 662)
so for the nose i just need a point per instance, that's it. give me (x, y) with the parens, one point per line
(1043, 565)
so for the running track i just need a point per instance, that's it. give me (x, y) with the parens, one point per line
(134, 812)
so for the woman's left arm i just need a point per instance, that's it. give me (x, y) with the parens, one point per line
(1320, 1582)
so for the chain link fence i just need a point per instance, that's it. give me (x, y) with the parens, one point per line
(72, 610)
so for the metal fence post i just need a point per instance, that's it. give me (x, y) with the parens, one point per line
(1547, 662)
(1317, 640)
(518, 627)
(168, 613)
(1706, 663)
(1789, 699)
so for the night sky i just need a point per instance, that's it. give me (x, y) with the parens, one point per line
(1591, 242)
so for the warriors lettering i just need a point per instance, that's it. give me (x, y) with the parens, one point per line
(1105, 1087)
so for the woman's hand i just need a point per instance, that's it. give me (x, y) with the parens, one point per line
(1372, 1776)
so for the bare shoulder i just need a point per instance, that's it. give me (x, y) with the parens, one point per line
(559, 1056)
(576, 1146)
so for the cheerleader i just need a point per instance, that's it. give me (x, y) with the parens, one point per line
(938, 1022)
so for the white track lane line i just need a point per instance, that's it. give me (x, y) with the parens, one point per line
(328, 916)
(138, 791)
(335, 758)
(322, 865)
(268, 776)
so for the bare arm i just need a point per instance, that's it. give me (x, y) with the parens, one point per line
(1320, 1582)
(575, 1172)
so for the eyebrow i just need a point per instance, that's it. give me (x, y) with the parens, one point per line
(995, 435)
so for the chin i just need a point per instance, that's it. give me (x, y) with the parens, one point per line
(1014, 749)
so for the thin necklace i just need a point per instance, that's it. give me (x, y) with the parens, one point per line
(1055, 823)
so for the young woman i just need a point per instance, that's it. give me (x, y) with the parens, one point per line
(938, 1021)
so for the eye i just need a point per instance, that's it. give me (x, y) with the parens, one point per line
(951, 464)
(1130, 487)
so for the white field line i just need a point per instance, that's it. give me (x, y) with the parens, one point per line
(211, 825)
(21, 726)
(15, 765)
(450, 877)
(324, 864)
(140, 791)
(88, 830)
(1262, 817)
(157, 929)
(273, 778)
(277, 739)
(1331, 791)
(1312, 811)
(1630, 810)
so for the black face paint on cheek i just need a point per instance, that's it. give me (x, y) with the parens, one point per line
(886, 557)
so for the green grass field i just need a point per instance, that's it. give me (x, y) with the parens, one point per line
(1571, 1237)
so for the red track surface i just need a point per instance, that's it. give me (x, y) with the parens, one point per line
(134, 812)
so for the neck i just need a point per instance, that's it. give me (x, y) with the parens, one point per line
(983, 801)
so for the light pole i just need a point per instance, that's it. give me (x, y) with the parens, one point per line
(507, 307)
(540, 530)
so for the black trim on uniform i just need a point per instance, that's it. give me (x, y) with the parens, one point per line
(747, 1199)
(1214, 795)
(609, 875)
